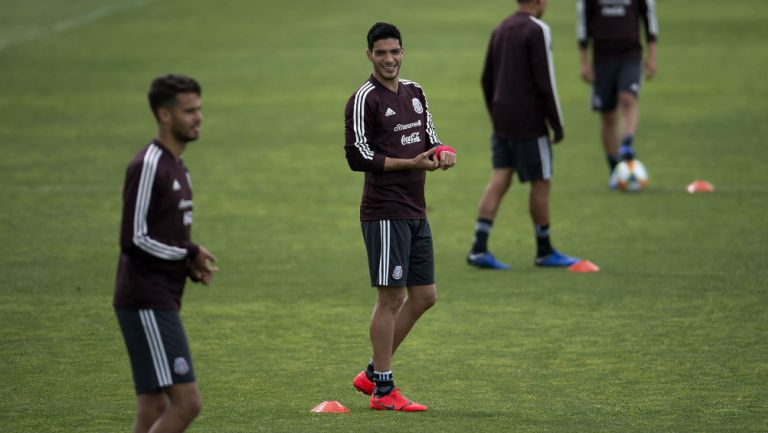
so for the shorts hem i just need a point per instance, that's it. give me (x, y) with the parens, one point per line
(396, 286)
(409, 284)
(163, 388)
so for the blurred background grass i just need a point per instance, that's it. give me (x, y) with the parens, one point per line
(669, 336)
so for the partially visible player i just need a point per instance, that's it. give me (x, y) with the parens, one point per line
(389, 135)
(156, 256)
(521, 97)
(615, 72)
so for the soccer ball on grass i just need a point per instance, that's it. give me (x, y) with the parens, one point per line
(631, 176)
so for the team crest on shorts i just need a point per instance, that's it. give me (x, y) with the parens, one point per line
(180, 366)
(417, 105)
(597, 102)
(398, 272)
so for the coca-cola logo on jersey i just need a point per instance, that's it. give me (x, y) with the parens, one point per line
(410, 138)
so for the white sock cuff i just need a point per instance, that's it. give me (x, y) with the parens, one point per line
(382, 375)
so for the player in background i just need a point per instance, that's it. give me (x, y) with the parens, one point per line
(389, 135)
(613, 27)
(156, 256)
(520, 92)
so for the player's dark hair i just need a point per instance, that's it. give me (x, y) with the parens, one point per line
(163, 91)
(383, 31)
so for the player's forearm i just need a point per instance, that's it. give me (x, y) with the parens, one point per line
(583, 56)
(394, 164)
(651, 54)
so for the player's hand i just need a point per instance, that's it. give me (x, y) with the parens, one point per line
(446, 157)
(650, 68)
(587, 74)
(423, 161)
(202, 268)
(559, 135)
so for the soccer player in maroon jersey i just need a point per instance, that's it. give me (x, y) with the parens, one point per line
(389, 135)
(613, 27)
(518, 83)
(156, 257)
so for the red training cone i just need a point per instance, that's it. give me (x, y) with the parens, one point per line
(330, 406)
(584, 266)
(700, 186)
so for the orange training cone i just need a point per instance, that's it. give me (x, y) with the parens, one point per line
(584, 266)
(330, 406)
(700, 186)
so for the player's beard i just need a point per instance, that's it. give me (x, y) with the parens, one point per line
(185, 135)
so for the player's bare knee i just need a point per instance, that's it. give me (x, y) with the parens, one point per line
(145, 417)
(423, 300)
(428, 300)
(195, 408)
(540, 188)
(390, 300)
(397, 302)
(155, 410)
(148, 409)
(500, 181)
(627, 100)
(608, 119)
(190, 408)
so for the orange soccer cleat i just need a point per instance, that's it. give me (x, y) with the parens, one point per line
(395, 401)
(363, 384)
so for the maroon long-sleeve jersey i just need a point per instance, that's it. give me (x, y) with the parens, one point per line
(155, 231)
(518, 79)
(380, 123)
(613, 26)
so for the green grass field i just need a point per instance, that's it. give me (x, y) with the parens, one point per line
(670, 336)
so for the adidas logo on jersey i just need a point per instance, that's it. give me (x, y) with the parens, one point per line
(390, 112)
(176, 185)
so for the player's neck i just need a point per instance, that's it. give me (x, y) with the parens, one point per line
(170, 142)
(531, 9)
(389, 84)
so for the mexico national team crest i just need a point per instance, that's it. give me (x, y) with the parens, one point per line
(398, 272)
(417, 105)
(180, 366)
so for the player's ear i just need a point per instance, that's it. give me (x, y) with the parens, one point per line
(369, 54)
(164, 114)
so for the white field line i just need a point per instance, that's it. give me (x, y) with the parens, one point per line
(71, 23)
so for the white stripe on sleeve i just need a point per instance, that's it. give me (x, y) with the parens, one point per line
(653, 23)
(358, 121)
(140, 230)
(581, 21)
(551, 64)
